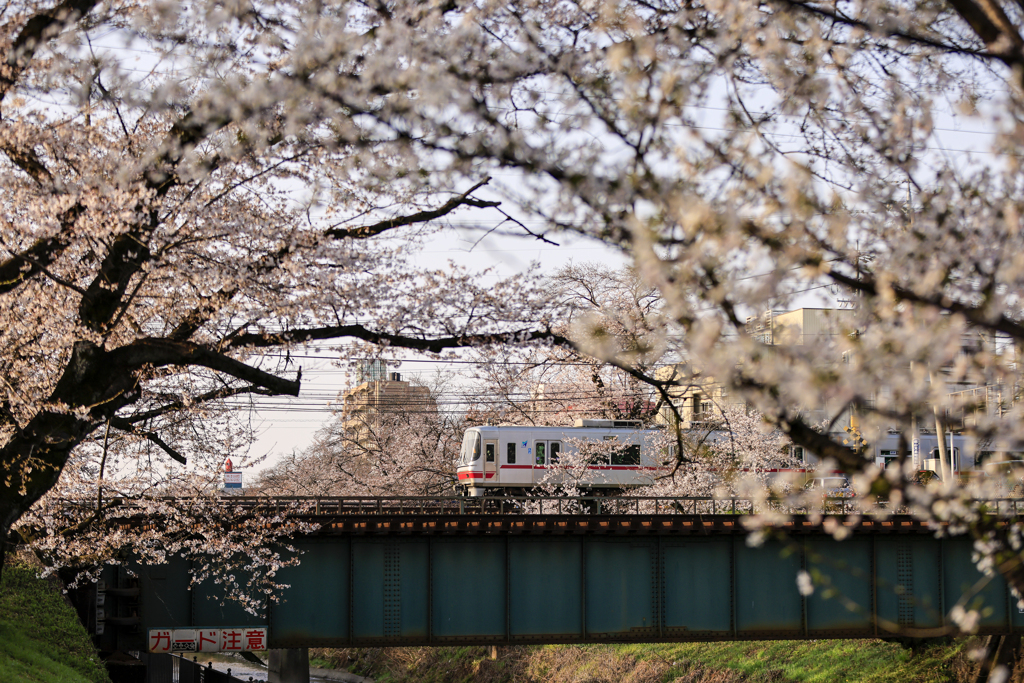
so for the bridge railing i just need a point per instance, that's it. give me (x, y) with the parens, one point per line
(168, 668)
(326, 506)
(599, 505)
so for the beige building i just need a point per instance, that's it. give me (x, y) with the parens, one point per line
(699, 399)
(382, 394)
(799, 327)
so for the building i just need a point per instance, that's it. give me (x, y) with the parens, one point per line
(380, 394)
(800, 326)
(699, 399)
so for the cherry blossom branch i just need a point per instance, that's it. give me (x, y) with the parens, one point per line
(435, 345)
(130, 428)
(36, 31)
(865, 284)
(24, 265)
(463, 199)
(27, 160)
(916, 38)
(201, 314)
(160, 352)
(181, 404)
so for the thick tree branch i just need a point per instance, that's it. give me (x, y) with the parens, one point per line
(202, 313)
(27, 160)
(130, 250)
(161, 352)
(127, 426)
(25, 265)
(435, 345)
(988, 20)
(181, 404)
(463, 199)
(865, 284)
(915, 38)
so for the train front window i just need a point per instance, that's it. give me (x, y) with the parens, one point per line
(470, 448)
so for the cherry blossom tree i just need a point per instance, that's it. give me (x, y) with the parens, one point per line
(397, 452)
(591, 305)
(740, 154)
(740, 456)
(744, 155)
(171, 225)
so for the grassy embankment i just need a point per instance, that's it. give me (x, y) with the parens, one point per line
(41, 639)
(821, 661)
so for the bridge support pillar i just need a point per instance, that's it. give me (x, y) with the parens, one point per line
(288, 666)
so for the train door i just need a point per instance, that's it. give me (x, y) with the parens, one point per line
(540, 460)
(545, 454)
(490, 461)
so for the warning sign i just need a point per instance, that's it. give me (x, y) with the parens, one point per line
(207, 639)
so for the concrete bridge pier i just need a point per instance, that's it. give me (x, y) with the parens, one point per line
(288, 666)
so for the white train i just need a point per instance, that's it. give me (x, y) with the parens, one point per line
(514, 459)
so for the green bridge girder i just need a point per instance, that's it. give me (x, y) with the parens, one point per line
(581, 580)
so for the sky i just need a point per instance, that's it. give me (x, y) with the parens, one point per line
(286, 424)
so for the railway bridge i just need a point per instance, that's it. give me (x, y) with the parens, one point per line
(392, 572)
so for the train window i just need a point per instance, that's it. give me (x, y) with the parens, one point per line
(470, 448)
(489, 452)
(553, 449)
(798, 453)
(510, 453)
(540, 450)
(626, 455)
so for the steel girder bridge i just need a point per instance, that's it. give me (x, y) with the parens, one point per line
(460, 572)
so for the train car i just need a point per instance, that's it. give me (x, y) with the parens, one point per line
(963, 451)
(514, 459)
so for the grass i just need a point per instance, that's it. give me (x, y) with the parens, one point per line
(41, 639)
(815, 661)
(812, 661)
